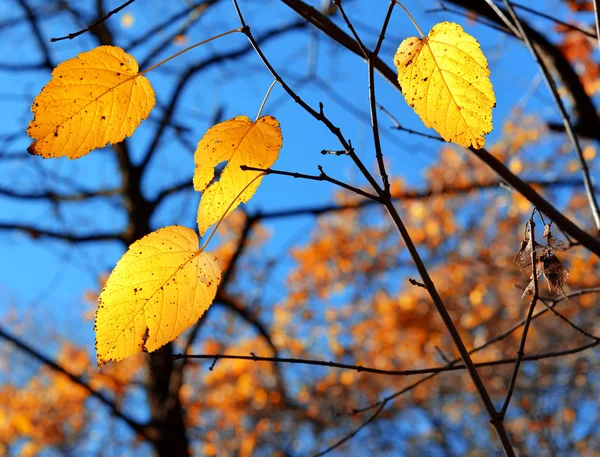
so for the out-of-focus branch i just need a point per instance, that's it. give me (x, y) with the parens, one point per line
(160, 26)
(56, 197)
(242, 311)
(37, 33)
(194, 15)
(21, 345)
(37, 232)
(555, 20)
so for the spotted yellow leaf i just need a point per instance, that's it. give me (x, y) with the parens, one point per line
(445, 79)
(239, 141)
(161, 286)
(93, 99)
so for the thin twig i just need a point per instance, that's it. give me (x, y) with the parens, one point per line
(371, 57)
(587, 179)
(534, 299)
(70, 36)
(451, 366)
(363, 48)
(507, 22)
(445, 9)
(188, 10)
(353, 433)
(373, 101)
(570, 323)
(320, 177)
(488, 343)
(37, 232)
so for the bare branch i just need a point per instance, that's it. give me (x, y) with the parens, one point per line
(320, 177)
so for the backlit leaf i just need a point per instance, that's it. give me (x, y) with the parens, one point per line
(161, 286)
(445, 79)
(239, 141)
(93, 99)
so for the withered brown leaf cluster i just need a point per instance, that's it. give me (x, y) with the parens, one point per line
(546, 262)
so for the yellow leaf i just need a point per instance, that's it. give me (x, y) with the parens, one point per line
(91, 100)
(445, 79)
(239, 141)
(160, 287)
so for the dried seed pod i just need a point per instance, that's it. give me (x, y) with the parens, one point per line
(553, 242)
(556, 274)
(546, 262)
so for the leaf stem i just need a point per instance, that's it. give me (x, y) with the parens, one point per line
(220, 35)
(265, 99)
(227, 210)
(411, 18)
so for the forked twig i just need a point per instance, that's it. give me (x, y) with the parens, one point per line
(70, 36)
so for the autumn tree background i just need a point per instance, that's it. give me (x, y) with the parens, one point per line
(339, 347)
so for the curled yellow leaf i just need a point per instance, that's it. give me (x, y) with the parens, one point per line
(239, 141)
(161, 286)
(445, 79)
(93, 99)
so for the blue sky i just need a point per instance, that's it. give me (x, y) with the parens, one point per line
(45, 280)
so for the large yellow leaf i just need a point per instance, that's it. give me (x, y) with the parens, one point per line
(239, 141)
(445, 79)
(161, 286)
(91, 100)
